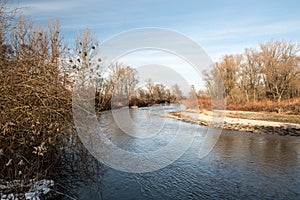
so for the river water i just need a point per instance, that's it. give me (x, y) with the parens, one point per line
(240, 166)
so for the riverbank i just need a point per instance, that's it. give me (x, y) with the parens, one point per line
(255, 122)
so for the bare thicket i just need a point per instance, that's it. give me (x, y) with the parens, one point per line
(85, 58)
(228, 69)
(37, 71)
(122, 79)
(250, 83)
(271, 72)
(176, 93)
(279, 62)
(34, 104)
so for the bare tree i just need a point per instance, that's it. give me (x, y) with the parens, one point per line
(250, 74)
(294, 86)
(229, 69)
(279, 62)
(213, 83)
(7, 15)
(85, 58)
(176, 92)
(150, 90)
(274, 69)
(160, 93)
(123, 79)
(103, 94)
(193, 92)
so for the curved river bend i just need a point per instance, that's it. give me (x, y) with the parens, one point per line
(240, 166)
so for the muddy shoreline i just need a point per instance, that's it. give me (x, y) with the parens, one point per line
(237, 124)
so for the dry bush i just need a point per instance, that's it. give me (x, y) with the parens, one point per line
(35, 107)
(288, 106)
(190, 104)
(204, 103)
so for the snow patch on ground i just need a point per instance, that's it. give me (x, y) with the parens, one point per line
(36, 189)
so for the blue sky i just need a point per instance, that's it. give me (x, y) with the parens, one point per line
(219, 26)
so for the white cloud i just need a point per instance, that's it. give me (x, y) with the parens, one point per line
(247, 31)
(219, 41)
(32, 8)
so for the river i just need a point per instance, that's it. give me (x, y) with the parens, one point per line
(240, 166)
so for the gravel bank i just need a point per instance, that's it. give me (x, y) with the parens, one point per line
(239, 124)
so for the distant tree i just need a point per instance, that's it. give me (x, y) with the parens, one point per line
(213, 83)
(176, 92)
(85, 58)
(153, 93)
(123, 79)
(274, 69)
(250, 73)
(122, 82)
(193, 92)
(103, 94)
(7, 16)
(150, 90)
(229, 69)
(294, 86)
(279, 62)
(161, 93)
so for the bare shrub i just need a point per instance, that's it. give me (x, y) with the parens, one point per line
(35, 107)
(287, 106)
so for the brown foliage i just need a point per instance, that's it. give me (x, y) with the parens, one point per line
(288, 106)
(271, 72)
(35, 107)
(201, 103)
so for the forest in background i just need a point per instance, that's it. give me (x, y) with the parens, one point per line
(263, 79)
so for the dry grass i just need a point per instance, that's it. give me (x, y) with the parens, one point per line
(288, 106)
(285, 111)
(201, 103)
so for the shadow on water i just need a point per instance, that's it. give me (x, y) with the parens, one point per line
(241, 166)
(81, 174)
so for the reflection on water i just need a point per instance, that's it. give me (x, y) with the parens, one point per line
(241, 166)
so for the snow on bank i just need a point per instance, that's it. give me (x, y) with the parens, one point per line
(35, 189)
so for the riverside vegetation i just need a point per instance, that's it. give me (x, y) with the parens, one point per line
(37, 73)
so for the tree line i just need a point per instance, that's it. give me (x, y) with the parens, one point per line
(269, 72)
(115, 83)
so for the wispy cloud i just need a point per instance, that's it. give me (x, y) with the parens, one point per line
(254, 30)
(226, 40)
(44, 7)
(226, 27)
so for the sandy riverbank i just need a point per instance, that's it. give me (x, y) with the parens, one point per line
(248, 123)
